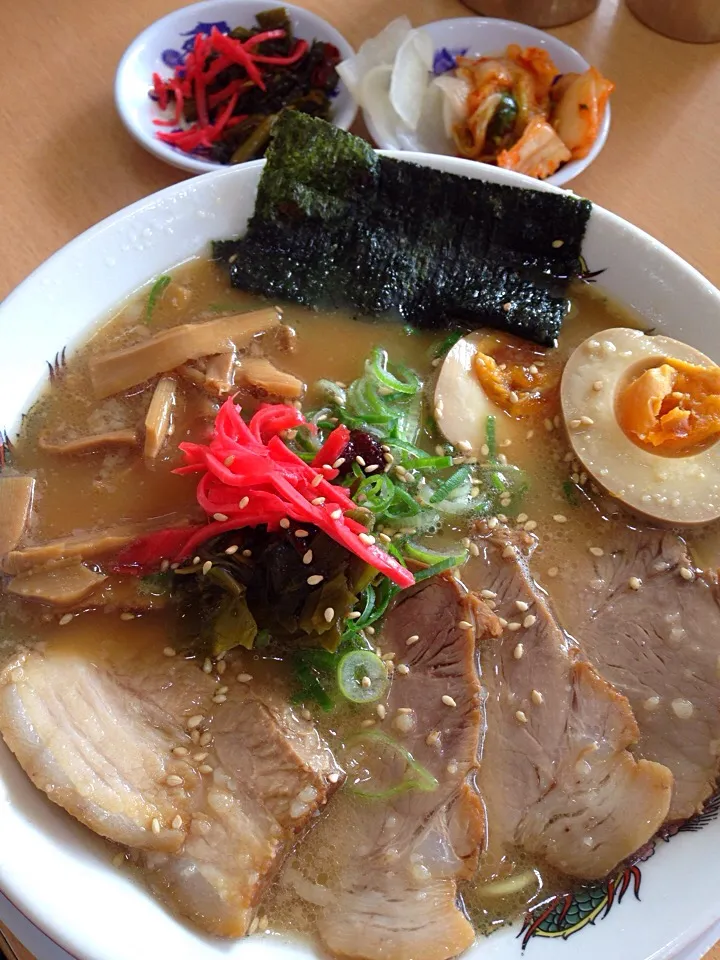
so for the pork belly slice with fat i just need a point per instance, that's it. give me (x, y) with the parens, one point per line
(108, 736)
(649, 621)
(557, 776)
(396, 897)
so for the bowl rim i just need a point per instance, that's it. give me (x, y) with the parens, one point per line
(660, 258)
(177, 158)
(571, 169)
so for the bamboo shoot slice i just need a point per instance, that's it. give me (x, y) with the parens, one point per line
(159, 416)
(61, 585)
(118, 371)
(96, 441)
(16, 496)
(260, 374)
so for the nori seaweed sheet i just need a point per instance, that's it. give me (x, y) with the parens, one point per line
(338, 227)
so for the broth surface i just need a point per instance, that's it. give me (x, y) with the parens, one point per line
(105, 489)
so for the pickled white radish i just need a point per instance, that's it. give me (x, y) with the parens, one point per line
(411, 77)
(377, 52)
(455, 92)
(374, 98)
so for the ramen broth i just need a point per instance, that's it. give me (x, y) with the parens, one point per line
(103, 489)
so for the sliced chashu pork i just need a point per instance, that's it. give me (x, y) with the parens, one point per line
(556, 776)
(650, 623)
(396, 897)
(112, 736)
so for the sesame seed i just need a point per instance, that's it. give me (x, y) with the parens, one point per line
(221, 667)
(634, 583)
(530, 525)
(233, 548)
(199, 757)
(464, 624)
(307, 556)
(384, 538)
(682, 708)
(474, 550)
(432, 738)
(207, 665)
(366, 682)
(411, 640)
(508, 552)
(173, 780)
(285, 523)
(329, 614)
(559, 518)
(195, 736)
(126, 615)
(403, 669)
(220, 517)
(205, 768)
(387, 656)
(502, 621)
(204, 739)
(355, 615)
(194, 721)
(507, 307)
(553, 572)
(207, 566)
(548, 425)
(359, 460)
(652, 703)
(305, 714)
(333, 777)
(522, 517)
(530, 434)
(367, 723)
(574, 424)
(597, 386)
(219, 698)
(488, 594)
(529, 621)
(65, 619)
(381, 711)
(514, 626)
(164, 566)
(301, 533)
(247, 553)
(336, 514)
(464, 445)
(558, 243)
(180, 751)
(196, 560)
(371, 631)
(244, 678)
(522, 606)
(597, 551)
(228, 461)
(244, 502)
(315, 579)
(518, 651)
(513, 397)
(448, 701)
(318, 501)
(389, 458)
(537, 698)
(177, 822)
(366, 538)
(338, 463)
(520, 716)
(155, 825)
(685, 573)
(587, 421)
(372, 467)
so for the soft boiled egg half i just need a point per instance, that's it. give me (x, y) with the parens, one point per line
(643, 417)
(492, 374)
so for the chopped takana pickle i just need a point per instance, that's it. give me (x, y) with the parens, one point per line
(229, 89)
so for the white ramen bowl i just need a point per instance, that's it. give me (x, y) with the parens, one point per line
(58, 873)
(158, 47)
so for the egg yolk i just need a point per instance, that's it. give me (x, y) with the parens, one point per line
(516, 375)
(673, 408)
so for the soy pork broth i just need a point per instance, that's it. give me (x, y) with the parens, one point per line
(100, 490)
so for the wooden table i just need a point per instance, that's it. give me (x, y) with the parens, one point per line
(66, 162)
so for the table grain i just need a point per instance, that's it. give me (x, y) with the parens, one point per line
(66, 161)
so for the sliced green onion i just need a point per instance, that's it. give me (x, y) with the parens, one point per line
(446, 345)
(332, 392)
(156, 291)
(364, 618)
(452, 483)
(491, 436)
(416, 777)
(402, 507)
(362, 676)
(430, 463)
(425, 555)
(379, 492)
(377, 366)
(440, 567)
